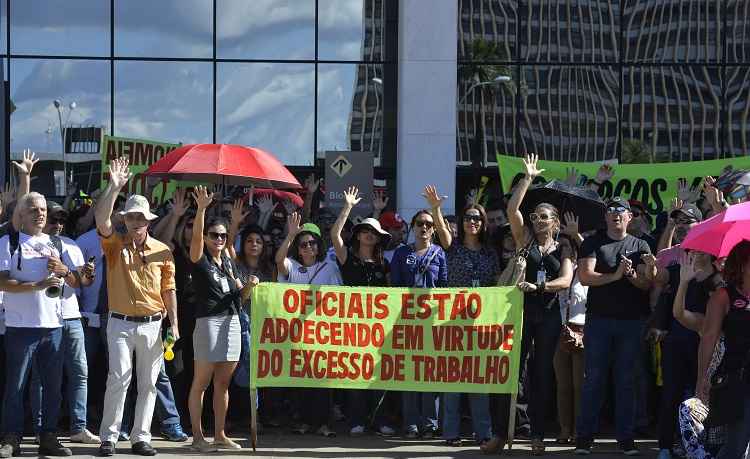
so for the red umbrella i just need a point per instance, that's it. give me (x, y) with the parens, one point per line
(225, 164)
(278, 195)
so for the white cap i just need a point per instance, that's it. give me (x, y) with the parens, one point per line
(138, 204)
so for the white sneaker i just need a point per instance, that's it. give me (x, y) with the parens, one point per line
(386, 431)
(357, 431)
(86, 437)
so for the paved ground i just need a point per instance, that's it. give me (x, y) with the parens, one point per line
(282, 445)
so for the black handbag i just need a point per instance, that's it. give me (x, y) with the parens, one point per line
(725, 399)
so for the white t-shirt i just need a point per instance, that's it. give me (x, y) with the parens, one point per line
(73, 259)
(35, 309)
(327, 273)
(90, 246)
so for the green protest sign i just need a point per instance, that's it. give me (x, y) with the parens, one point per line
(427, 340)
(652, 184)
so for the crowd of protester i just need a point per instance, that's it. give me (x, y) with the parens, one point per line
(92, 286)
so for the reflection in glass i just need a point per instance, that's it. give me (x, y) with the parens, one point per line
(569, 113)
(37, 83)
(265, 29)
(494, 21)
(351, 30)
(737, 122)
(53, 27)
(737, 32)
(167, 101)
(660, 31)
(164, 28)
(565, 31)
(350, 108)
(671, 113)
(271, 106)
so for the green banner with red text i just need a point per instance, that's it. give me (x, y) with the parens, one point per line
(426, 340)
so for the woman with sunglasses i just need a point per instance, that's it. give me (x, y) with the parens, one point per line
(471, 263)
(301, 259)
(422, 265)
(362, 264)
(549, 270)
(216, 339)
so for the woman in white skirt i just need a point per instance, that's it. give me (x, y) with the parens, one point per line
(217, 335)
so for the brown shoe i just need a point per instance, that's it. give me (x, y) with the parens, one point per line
(492, 446)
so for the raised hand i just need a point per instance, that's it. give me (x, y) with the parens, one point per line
(570, 227)
(688, 270)
(312, 185)
(119, 172)
(202, 197)
(471, 197)
(9, 194)
(27, 163)
(605, 172)
(674, 204)
(293, 225)
(238, 212)
(572, 176)
(379, 200)
(289, 206)
(265, 204)
(686, 193)
(434, 199)
(181, 204)
(351, 196)
(530, 165)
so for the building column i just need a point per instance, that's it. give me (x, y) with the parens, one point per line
(426, 102)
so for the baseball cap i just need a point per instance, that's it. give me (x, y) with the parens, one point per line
(634, 203)
(391, 220)
(689, 210)
(617, 202)
(311, 228)
(55, 208)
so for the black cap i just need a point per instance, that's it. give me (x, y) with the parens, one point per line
(618, 202)
(689, 210)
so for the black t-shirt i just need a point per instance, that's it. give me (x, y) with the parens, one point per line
(359, 273)
(216, 290)
(650, 240)
(696, 298)
(620, 299)
(550, 264)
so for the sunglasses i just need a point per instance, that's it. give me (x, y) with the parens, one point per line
(217, 236)
(684, 221)
(473, 218)
(424, 223)
(306, 244)
(616, 210)
(534, 217)
(56, 221)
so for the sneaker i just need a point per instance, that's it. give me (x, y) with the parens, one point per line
(583, 446)
(124, 436)
(386, 431)
(411, 433)
(202, 446)
(664, 454)
(628, 448)
(11, 446)
(226, 443)
(356, 431)
(85, 437)
(174, 432)
(106, 449)
(325, 431)
(49, 445)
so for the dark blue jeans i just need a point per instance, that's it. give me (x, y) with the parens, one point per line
(738, 434)
(606, 341)
(26, 345)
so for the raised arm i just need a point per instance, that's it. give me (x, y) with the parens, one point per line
(311, 186)
(203, 199)
(379, 203)
(24, 167)
(351, 199)
(435, 200)
(570, 228)
(665, 240)
(293, 229)
(119, 174)
(265, 207)
(165, 229)
(515, 217)
(689, 319)
(237, 216)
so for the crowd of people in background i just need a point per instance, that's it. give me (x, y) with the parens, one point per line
(93, 285)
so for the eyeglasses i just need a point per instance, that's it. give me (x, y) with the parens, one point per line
(616, 210)
(473, 218)
(217, 236)
(537, 217)
(424, 223)
(305, 244)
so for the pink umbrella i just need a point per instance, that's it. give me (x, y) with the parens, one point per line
(720, 233)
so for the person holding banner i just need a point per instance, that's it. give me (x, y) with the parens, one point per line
(471, 263)
(216, 339)
(549, 269)
(422, 265)
(363, 264)
(307, 264)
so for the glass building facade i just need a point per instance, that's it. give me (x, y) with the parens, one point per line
(638, 80)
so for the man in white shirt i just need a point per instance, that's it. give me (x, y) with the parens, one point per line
(33, 322)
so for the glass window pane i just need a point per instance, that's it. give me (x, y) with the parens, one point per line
(492, 21)
(164, 28)
(737, 32)
(167, 101)
(737, 122)
(685, 31)
(3, 27)
(351, 30)
(36, 83)
(350, 108)
(68, 28)
(671, 113)
(265, 29)
(270, 106)
(565, 31)
(569, 113)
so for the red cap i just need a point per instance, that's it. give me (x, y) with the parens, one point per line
(391, 220)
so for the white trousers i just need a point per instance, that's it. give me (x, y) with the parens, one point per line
(124, 338)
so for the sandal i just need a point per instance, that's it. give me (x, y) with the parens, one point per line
(226, 443)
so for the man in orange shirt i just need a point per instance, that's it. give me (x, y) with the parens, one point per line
(141, 288)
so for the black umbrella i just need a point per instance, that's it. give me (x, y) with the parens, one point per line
(584, 202)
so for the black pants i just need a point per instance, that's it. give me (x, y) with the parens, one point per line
(313, 404)
(679, 362)
(541, 332)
